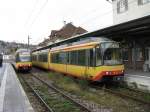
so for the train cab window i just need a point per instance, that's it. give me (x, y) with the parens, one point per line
(98, 57)
(17, 58)
(82, 57)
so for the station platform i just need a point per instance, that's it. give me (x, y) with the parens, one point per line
(12, 95)
(138, 78)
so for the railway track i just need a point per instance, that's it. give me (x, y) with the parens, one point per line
(38, 96)
(126, 92)
(56, 93)
(134, 97)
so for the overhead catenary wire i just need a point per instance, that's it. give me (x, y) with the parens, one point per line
(31, 13)
(37, 15)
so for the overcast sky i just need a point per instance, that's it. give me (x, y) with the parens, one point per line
(18, 18)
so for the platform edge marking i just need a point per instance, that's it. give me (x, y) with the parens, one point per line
(2, 90)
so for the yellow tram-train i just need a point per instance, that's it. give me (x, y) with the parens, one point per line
(94, 59)
(23, 60)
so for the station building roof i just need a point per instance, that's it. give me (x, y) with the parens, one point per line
(134, 29)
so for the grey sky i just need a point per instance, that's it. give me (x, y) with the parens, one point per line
(18, 18)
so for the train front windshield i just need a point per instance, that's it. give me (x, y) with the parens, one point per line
(24, 57)
(111, 53)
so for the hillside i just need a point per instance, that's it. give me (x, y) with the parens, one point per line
(11, 47)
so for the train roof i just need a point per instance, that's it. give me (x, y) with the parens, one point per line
(23, 50)
(81, 41)
(41, 51)
(79, 46)
(85, 44)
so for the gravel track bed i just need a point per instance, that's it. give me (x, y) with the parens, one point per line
(53, 99)
(37, 106)
(104, 100)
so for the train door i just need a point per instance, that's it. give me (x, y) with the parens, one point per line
(149, 57)
(90, 54)
(67, 61)
(49, 59)
(87, 66)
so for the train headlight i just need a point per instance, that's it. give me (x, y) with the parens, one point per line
(110, 73)
(107, 73)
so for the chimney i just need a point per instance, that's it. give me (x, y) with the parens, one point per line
(64, 23)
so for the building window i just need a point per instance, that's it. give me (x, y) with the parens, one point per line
(125, 54)
(138, 54)
(142, 2)
(122, 6)
(146, 54)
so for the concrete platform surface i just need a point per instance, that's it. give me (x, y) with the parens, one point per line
(12, 95)
(137, 72)
(138, 79)
(2, 69)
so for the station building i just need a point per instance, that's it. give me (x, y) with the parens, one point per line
(135, 42)
(131, 28)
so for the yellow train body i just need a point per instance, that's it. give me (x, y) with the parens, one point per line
(94, 73)
(90, 73)
(23, 60)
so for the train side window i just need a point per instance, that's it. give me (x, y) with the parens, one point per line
(68, 58)
(57, 58)
(54, 58)
(73, 57)
(62, 57)
(45, 56)
(33, 58)
(82, 57)
(36, 58)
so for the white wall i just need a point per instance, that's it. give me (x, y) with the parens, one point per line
(134, 11)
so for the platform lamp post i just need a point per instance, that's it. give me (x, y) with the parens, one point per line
(28, 41)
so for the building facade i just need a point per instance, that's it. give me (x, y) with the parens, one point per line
(136, 54)
(126, 10)
(67, 31)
